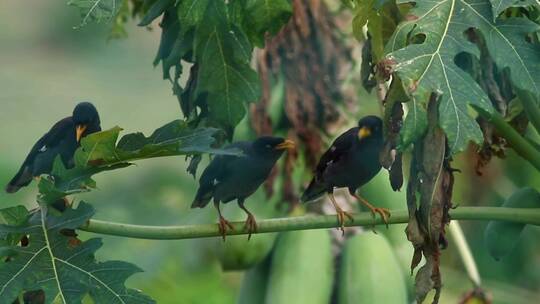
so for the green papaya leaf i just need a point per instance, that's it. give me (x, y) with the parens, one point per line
(96, 10)
(498, 6)
(508, 46)
(99, 146)
(217, 37)
(225, 77)
(191, 13)
(118, 24)
(155, 11)
(170, 37)
(64, 270)
(501, 237)
(13, 216)
(381, 26)
(362, 10)
(174, 138)
(263, 16)
(428, 67)
(100, 152)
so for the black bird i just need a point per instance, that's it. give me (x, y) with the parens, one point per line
(236, 177)
(62, 139)
(351, 161)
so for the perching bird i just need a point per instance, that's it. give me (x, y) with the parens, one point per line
(351, 161)
(236, 177)
(62, 139)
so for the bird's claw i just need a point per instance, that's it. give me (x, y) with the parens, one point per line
(223, 225)
(383, 212)
(250, 225)
(341, 219)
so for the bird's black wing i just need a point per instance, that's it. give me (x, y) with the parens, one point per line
(216, 171)
(337, 150)
(51, 138)
(47, 141)
(339, 147)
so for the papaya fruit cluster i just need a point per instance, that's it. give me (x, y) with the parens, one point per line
(311, 267)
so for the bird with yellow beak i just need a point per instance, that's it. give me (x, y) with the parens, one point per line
(62, 139)
(230, 177)
(351, 162)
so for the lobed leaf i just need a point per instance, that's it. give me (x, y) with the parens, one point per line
(429, 66)
(11, 216)
(64, 270)
(508, 46)
(225, 77)
(155, 11)
(423, 50)
(100, 152)
(498, 6)
(362, 11)
(96, 10)
(265, 16)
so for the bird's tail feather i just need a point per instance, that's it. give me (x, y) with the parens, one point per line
(202, 198)
(313, 191)
(21, 179)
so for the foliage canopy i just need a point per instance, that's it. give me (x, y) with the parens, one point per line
(459, 68)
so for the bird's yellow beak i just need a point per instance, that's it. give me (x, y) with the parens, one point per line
(287, 144)
(80, 130)
(364, 132)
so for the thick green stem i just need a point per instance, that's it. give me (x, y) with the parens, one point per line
(518, 142)
(518, 215)
(530, 105)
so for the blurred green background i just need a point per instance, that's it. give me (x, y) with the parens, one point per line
(46, 67)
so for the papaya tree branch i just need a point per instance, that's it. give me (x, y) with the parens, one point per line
(516, 141)
(517, 215)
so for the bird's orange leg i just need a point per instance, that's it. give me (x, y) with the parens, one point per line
(223, 223)
(340, 213)
(251, 224)
(383, 212)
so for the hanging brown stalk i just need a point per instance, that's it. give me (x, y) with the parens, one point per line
(309, 56)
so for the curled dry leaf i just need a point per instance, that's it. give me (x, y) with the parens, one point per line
(496, 83)
(390, 158)
(431, 183)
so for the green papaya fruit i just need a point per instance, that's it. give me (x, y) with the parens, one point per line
(370, 272)
(253, 288)
(239, 253)
(395, 234)
(501, 237)
(302, 270)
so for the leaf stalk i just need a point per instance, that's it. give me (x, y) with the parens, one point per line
(517, 215)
